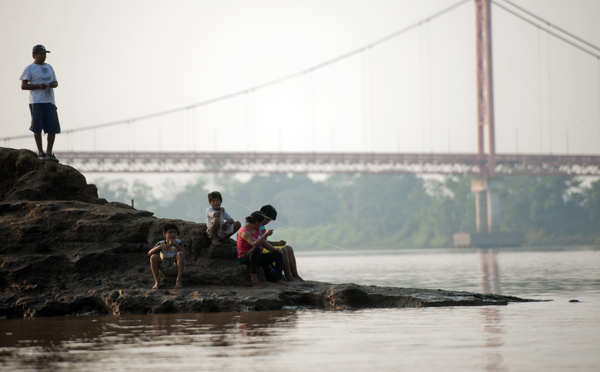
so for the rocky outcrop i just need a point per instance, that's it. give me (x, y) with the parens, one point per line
(65, 251)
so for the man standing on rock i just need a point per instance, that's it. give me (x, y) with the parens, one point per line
(40, 80)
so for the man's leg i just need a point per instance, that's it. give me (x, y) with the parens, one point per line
(50, 144)
(38, 142)
(52, 127)
(37, 120)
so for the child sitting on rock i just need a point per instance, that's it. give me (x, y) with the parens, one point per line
(219, 224)
(290, 268)
(250, 246)
(165, 252)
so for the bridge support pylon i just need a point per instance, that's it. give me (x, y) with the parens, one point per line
(485, 186)
(487, 204)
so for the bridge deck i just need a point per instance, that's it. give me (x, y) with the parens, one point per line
(296, 162)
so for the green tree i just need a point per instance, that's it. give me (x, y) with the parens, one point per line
(550, 204)
(591, 205)
(115, 190)
(378, 210)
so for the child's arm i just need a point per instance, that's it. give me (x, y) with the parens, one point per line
(250, 239)
(213, 213)
(277, 243)
(157, 248)
(175, 244)
(227, 220)
(270, 246)
(226, 216)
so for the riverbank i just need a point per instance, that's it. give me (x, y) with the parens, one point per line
(64, 251)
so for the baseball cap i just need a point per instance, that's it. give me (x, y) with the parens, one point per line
(40, 49)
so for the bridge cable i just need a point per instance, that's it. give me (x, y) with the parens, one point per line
(549, 77)
(595, 53)
(267, 84)
(553, 26)
(540, 90)
(429, 88)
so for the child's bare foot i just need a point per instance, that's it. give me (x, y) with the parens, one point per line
(216, 242)
(254, 279)
(281, 282)
(178, 284)
(156, 285)
(299, 279)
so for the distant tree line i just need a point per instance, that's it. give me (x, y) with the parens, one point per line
(384, 211)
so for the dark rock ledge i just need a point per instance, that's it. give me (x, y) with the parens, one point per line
(64, 251)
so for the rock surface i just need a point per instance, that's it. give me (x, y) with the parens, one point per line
(64, 251)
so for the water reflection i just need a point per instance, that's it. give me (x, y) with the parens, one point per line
(490, 275)
(52, 343)
(549, 336)
(491, 316)
(493, 332)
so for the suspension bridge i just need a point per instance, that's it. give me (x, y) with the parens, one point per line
(486, 162)
(369, 93)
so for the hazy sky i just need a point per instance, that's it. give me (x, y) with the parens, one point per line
(124, 59)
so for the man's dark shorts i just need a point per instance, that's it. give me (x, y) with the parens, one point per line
(44, 116)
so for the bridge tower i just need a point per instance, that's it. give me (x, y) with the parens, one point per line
(485, 186)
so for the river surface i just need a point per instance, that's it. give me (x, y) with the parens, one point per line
(557, 335)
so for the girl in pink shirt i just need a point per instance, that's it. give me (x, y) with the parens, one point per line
(249, 246)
